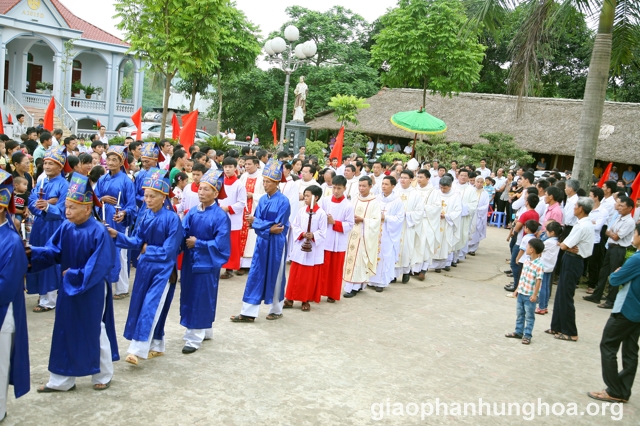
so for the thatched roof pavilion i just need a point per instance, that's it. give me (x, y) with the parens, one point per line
(548, 126)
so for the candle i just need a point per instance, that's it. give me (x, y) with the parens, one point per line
(41, 192)
(313, 200)
(104, 213)
(119, 194)
(23, 229)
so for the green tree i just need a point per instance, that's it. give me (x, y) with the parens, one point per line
(194, 84)
(345, 108)
(172, 36)
(617, 37)
(501, 150)
(422, 44)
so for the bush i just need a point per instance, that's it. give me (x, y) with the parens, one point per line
(116, 140)
(157, 140)
(316, 148)
(354, 142)
(215, 142)
(388, 157)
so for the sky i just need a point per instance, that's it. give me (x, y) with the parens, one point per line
(269, 15)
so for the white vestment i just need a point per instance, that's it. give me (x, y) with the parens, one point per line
(390, 234)
(342, 212)
(352, 188)
(480, 230)
(447, 229)
(327, 191)
(302, 185)
(425, 242)
(290, 190)
(258, 191)
(411, 226)
(377, 184)
(236, 200)
(361, 258)
(469, 199)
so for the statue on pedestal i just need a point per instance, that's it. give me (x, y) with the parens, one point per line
(301, 92)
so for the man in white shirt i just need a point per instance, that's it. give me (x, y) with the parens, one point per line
(571, 189)
(499, 186)
(167, 152)
(435, 178)
(101, 135)
(232, 135)
(408, 149)
(453, 171)
(19, 127)
(598, 217)
(377, 176)
(397, 147)
(301, 150)
(370, 145)
(346, 160)
(352, 185)
(518, 206)
(433, 171)
(57, 140)
(483, 170)
(577, 246)
(620, 237)
(609, 201)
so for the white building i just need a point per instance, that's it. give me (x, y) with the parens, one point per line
(33, 35)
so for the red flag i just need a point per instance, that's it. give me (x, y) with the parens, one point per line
(137, 120)
(605, 175)
(336, 152)
(188, 132)
(274, 131)
(48, 115)
(1, 123)
(635, 192)
(9, 119)
(98, 124)
(175, 133)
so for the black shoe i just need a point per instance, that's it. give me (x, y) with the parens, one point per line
(605, 305)
(438, 270)
(188, 350)
(379, 289)
(350, 294)
(405, 278)
(510, 288)
(508, 272)
(447, 268)
(454, 264)
(393, 281)
(509, 275)
(590, 299)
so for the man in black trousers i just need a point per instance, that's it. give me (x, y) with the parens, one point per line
(620, 237)
(577, 246)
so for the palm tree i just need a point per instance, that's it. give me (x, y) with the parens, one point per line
(617, 35)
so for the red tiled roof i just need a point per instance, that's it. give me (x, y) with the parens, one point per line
(89, 31)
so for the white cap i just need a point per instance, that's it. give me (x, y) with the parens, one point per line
(413, 165)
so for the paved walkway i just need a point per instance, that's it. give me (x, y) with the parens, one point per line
(361, 359)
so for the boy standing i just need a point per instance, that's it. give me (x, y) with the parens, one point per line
(527, 292)
(549, 258)
(233, 201)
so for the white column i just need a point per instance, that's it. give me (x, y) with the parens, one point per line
(3, 57)
(108, 97)
(137, 101)
(57, 78)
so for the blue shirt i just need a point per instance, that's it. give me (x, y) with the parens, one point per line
(628, 298)
(630, 176)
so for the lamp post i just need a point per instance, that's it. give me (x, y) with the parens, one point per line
(288, 58)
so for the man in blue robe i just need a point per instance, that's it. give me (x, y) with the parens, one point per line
(84, 336)
(117, 193)
(151, 154)
(14, 344)
(207, 230)
(157, 235)
(47, 203)
(266, 279)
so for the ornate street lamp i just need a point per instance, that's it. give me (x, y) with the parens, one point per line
(288, 57)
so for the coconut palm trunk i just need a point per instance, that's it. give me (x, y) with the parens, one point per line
(594, 97)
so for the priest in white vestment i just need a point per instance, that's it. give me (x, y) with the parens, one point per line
(448, 204)
(425, 242)
(392, 216)
(290, 190)
(480, 229)
(361, 258)
(307, 173)
(469, 199)
(252, 181)
(327, 185)
(412, 225)
(377, 176)
(352, 188)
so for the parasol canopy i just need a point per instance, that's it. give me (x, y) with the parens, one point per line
(418, 122)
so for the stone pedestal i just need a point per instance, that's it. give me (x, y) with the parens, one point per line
(295, 132)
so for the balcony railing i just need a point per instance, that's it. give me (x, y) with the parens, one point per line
(16, 107)
(88, 104)
(67, 119)
(36, 99)
(128, 108)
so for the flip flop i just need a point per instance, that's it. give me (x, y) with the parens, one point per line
(132, 359)
(106, 386)
(550, 331)
(604, 396)
(39, 309)
(226, 276)
(240, 318)
(513, 336)
(45, 389)
(565, 338)
(273, 317)
(120, 296)
(155, 354)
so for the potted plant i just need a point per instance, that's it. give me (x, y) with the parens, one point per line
(99, 91)
(41, 86)
(89, 90)
(76, 87)
(126, 91)
(49, 87)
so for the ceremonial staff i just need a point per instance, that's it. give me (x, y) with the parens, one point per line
(306, 246)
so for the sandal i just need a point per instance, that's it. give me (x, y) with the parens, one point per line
(241, 318)
(604, 396)
(550, 331)
(540, 311)
(288, 304)
(306, 307)
(330, 300)
(40, 308)
(513, 336)
(101, 386)
(226, 275)
(45, 389)
(132, 359)
(590, 291)
(241, 272)
(155, 354)
(272, 317)
(120, 296)
(526, 340)
(565, 338)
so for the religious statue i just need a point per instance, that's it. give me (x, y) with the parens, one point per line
(298, 114)
(301, 92)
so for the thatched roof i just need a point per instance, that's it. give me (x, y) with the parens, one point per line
(548, 126)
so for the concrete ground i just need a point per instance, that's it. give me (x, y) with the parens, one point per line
(360, 361)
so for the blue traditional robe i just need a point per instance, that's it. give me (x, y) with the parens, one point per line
(88, 254)
(13, 266)
(269, 250)
(162, 232)
(138, 187)
(112, 186)
(44, 226)
(201, 264)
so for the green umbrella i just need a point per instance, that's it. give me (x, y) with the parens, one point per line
(418, 122)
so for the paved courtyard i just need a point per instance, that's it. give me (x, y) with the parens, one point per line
(371, 359)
